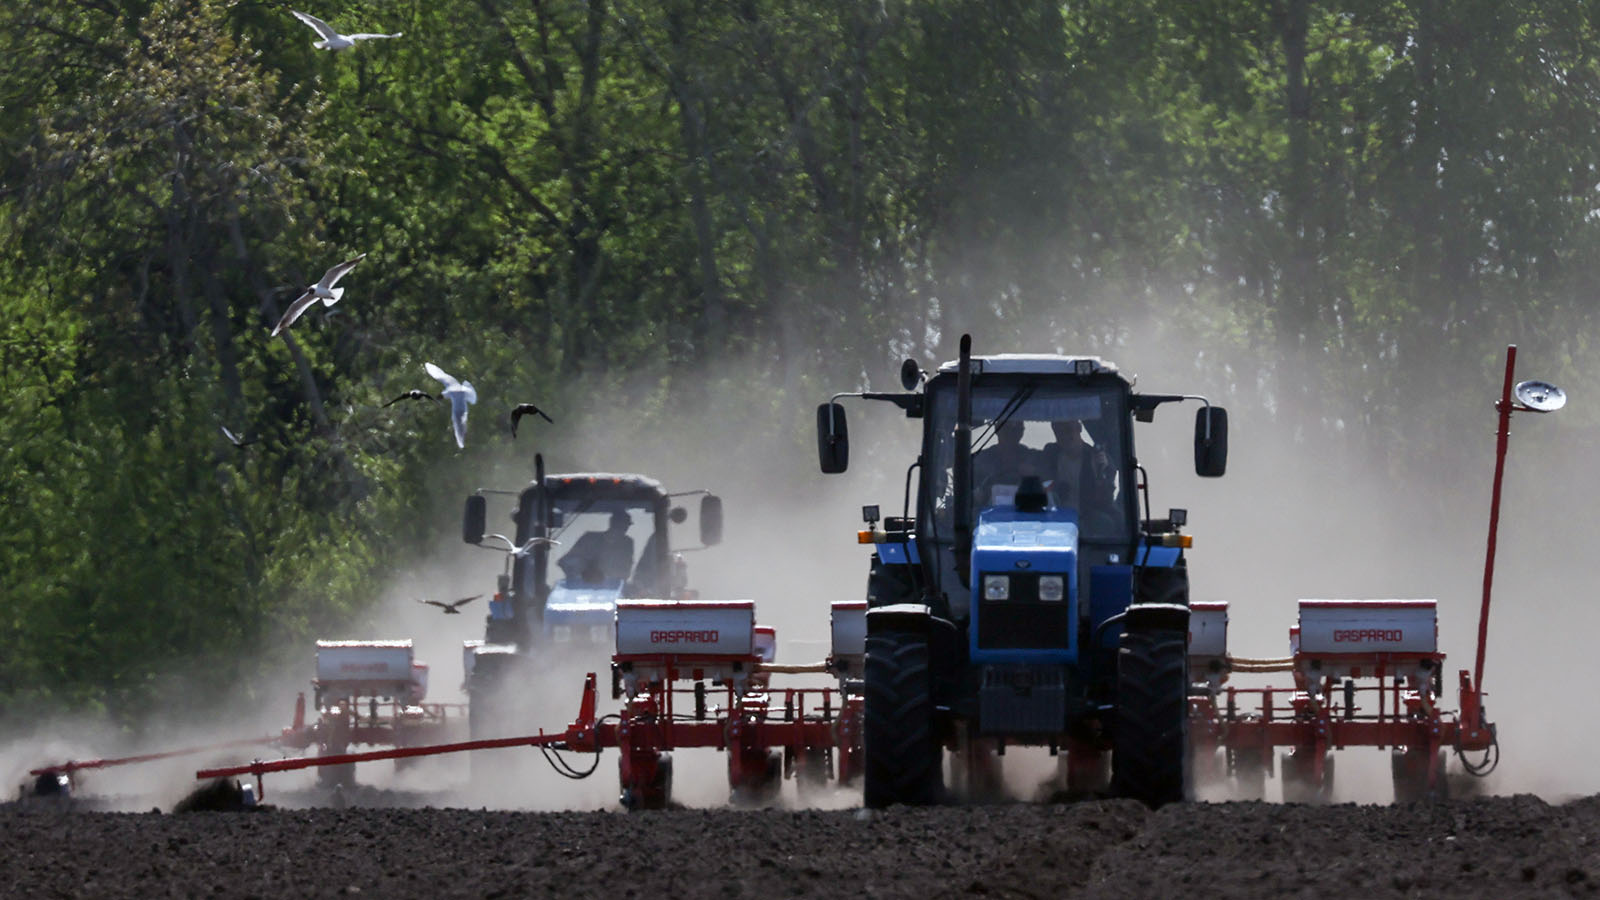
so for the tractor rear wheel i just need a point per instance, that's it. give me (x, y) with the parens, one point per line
(903, 761)
(1149, 756)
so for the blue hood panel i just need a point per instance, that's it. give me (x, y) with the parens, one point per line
(1025, 544)
(582, 605)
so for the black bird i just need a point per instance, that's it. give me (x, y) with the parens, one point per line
(452, 608)
(523, 409)
(411, 395)
(237, 441)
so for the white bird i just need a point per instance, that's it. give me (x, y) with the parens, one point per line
(236, 440)
(460, 394)
(333, 40)
(323, 290)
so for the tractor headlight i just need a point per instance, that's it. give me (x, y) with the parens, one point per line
(1052, 587)
(997, 587)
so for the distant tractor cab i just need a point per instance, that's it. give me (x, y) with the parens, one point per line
(579, 543)
(1025, 595)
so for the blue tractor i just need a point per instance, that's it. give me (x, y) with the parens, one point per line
(578, 542)
(1025, 596)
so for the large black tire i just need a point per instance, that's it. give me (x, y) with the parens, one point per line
(1149, 756)
(903, 760)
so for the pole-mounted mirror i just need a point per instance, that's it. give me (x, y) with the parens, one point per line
(1540, 396)
(910, 375)
(833, 439)
(1210, 441)
(711, 520)
(475, 519)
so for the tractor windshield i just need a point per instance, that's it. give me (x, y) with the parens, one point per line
(1067, 434)
(603, 542)
(608, 538)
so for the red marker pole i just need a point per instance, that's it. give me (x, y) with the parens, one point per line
(1501, 437)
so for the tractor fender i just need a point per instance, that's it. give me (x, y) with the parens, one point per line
(889, 583)
(1156, 617)
(916, 618)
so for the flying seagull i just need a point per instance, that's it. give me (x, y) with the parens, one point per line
(333, 40)
(523, 409)
(452, 608)
(323, 290)
(237, 441)
(411, 395)
(460, 394)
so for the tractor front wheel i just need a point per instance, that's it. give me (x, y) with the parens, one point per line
(903, 760)
(1149, 756)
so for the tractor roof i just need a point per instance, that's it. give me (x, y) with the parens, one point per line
(604, 485)
(1034, 364)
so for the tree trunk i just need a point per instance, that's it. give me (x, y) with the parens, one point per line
(1297, 328)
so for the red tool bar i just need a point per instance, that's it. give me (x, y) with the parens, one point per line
(579, 738)
(67, 768)
(1351, 733)
(573, 738)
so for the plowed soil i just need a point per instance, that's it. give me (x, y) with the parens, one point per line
(1516, 846)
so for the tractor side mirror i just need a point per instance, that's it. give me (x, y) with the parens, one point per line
(1210, 441)
(910, 374)
(475, 519)
(833, 439)
(710, 520)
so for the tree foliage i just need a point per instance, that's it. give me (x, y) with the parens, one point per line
(612, 198)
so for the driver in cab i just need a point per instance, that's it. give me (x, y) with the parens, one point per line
(1076, 473)
(601, 556)
(998, 469)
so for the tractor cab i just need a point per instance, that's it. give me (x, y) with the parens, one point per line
(1051, 466)
(580, 543)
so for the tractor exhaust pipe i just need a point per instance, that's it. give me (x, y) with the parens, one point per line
(962, 480)
(541, 551)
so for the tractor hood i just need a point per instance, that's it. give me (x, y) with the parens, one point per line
(1024, 586)
(582, 612)
(1042, 542)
